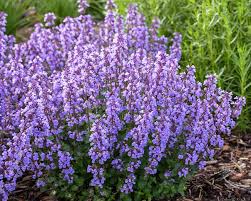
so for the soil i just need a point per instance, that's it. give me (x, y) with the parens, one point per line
(227, 178)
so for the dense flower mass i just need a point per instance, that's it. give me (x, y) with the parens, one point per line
(117, 78)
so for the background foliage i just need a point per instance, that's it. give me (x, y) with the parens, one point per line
(66, 8)
(17, 14)
(24, 13)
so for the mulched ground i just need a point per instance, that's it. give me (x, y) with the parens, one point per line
(227, 178)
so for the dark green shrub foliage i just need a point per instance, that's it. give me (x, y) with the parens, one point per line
(158, 186)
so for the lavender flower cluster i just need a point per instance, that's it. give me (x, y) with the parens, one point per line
(116, 77)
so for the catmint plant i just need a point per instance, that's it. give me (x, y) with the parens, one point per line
(103, 105)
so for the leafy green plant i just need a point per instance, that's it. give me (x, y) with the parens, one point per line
(60, 8)
(216, 37)
(66, 8)
(24, 13)
(17, 11)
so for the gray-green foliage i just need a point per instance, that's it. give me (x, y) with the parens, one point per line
(216, 39)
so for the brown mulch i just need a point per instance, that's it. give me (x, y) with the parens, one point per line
(227, 178)
(27, 191)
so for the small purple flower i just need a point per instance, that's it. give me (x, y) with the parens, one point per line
(128, 184)
(183, 172)
(168, 173)
(49, 19)
(40, 183)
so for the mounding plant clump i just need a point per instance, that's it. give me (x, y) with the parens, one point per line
(101, 110)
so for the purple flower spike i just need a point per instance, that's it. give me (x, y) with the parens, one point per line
(49, 19)
(82, 5)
